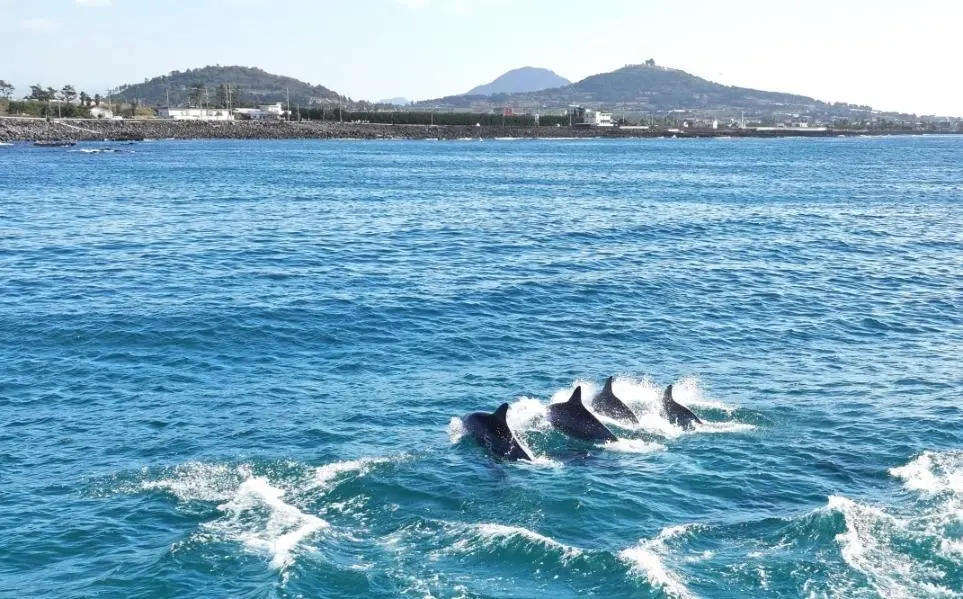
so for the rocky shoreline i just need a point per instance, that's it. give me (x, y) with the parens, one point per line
(24, 129)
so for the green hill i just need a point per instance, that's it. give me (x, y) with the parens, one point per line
(651, 89)
(212, 85)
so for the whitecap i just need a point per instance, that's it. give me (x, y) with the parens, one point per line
(871, 544)
(933, 473)
(647, 559)
(326, 477)
(487, 535)
(261, 520)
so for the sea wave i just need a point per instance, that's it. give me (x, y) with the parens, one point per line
(500, 536)
(648, 558)
(324, 476)
(933, 473)
(258, 517)
(272, 515)
(891, 552)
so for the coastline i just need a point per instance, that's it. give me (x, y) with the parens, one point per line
(14, 129)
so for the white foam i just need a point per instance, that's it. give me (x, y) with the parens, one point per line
(198, 481)
(938, 478)
(647, 559)
(283, 530)
(324, 475)
(490, 534)
(871, 544)
(527, 414)
(724, 427)
(456, 430)
(933, 473)
(633, 446)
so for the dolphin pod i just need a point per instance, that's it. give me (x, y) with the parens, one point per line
(572, 418)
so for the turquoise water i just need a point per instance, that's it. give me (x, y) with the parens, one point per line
(234, 369)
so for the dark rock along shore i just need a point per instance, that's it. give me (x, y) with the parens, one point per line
(14, 129)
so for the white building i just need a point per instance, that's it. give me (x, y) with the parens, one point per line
(196, 114)
(264, 112)
(100, 112)
(598, 119)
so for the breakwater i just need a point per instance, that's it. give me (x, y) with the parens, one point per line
(25, 129)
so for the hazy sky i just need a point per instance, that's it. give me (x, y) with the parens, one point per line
(893, 55)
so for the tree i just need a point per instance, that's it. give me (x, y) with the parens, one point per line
(39, 94)
(68, 94)
(650, 62)
(220, 96)
(84, 99)
(196, 94)
(97, 99)
(6, 89)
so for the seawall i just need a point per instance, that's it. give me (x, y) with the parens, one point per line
(25, 129)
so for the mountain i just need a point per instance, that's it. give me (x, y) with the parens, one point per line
(525, 79)
(248, 86)
(395, 101)
(655, 88)
(651, 89)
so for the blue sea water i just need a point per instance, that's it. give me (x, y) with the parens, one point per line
(235, 368)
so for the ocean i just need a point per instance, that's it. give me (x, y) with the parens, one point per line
(237, 368)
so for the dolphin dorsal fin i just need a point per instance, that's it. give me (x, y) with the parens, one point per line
(608, 385)
(576, 396)
(667, 395)
(502, 412)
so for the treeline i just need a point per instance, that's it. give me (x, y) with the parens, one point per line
(469, 119)
(50, 102)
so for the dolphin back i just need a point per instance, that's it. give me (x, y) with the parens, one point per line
(677, 413)
(606, 402)
(573, 419)
(492, 432)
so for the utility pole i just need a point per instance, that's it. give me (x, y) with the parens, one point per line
(287, 90)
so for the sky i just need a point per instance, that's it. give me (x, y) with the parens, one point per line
(892, 55)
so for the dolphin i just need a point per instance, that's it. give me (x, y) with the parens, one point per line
(574, 419)
(677, 413)
(491, 432)
(607, 403)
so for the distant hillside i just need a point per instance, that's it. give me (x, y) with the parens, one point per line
(395, 101)
(208, 85)
(525, 79)
(657, 88)
(650, 89)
